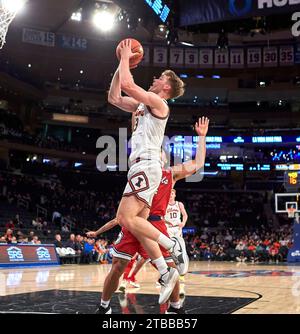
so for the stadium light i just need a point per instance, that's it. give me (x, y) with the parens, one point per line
(104, 20)
(262, 84)
(13, 6)
(77, 16)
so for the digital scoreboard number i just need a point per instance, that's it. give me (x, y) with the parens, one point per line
(292, 180)
(159, 8)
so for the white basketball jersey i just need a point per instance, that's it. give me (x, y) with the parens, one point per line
(173, 214)
(148, 134)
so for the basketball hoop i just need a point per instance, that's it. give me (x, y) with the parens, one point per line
(291, 212)
(8, 11)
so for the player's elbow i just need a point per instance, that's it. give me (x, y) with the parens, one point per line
(191, 168)
(113, 100)
(198, 166)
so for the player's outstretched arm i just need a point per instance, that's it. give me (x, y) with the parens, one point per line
(191, 167)
(132, 89)
(184, 214)
(108, 226)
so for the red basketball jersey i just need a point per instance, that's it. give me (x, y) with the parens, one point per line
(161, 198)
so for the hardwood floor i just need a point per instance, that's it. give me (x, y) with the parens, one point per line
(242, 288)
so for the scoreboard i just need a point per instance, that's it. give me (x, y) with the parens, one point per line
(159, 8)
(292, 180)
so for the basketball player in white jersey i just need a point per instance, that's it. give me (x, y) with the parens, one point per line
(175, 224)
(151, 115)
(173, 216)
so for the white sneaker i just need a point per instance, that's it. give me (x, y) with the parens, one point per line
(123, 285)
(179, 255)
(167, 282)
(134, 284)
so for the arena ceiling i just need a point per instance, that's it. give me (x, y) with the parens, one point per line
(54, 15)
(46, 14)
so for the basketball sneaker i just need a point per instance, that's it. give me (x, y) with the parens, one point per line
(134, 283)
(167, 282)
(179, 255)
(103, 310)
(173, 310)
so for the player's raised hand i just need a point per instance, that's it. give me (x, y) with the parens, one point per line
(201, 127)
(125, 49)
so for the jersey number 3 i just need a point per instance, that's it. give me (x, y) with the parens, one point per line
(136, 123)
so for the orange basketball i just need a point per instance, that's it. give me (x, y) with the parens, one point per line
(136, 47)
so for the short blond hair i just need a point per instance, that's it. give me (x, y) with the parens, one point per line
(177, 85)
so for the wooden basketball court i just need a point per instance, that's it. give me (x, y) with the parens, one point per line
(215, 288)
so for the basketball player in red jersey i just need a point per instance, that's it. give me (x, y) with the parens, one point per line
(127, 245)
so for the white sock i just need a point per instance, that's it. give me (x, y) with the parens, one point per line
(166, 242)
(105, 303)
(161, 265)
(175, 304)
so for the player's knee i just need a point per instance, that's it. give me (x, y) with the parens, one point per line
(119, 267)
(124, 220)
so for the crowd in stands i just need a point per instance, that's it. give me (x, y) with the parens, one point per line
(83, 250)
(83, 207)
(233, 224)
(227, 208)
(250, 245)
(211, 244)
(12, 236)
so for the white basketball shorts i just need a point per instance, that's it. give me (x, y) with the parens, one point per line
(143, 180)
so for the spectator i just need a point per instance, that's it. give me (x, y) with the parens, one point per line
(10, 224)
(37, 223)
(8, 236)
(88, 251)
(65, 228)
(274, 254)
(57, 241)
(2, 240)
(79, 245)
(194, 253)
(240, 247)
(17, 221)
(56, 217)
(220, 254)
(71, 242)
(35, 240)
(208, 255)
(228, 236)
